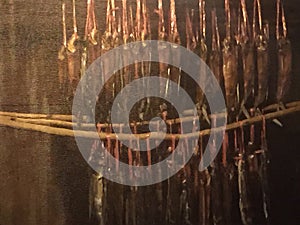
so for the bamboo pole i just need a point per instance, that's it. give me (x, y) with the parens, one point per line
(48, 122)
(38, 116)
(11, 122)
(66, 120)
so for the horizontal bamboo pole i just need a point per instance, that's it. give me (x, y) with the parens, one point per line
(11, 122)
(65, 120)
(38, 116)
(277, 106)
(56, 123)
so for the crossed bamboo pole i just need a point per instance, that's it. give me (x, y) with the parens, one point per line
(62, 125)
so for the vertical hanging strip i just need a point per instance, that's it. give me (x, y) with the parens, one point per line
(71, 43)
(148, 153)
(117, 153)
(264, 173)
(108, 139)
(130, 159)
(242, 182)
(173, 148)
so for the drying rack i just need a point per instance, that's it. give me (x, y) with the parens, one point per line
(62, 125)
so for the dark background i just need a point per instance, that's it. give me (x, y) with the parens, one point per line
(43, 178)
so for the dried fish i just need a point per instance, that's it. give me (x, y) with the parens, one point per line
(190, 36)
(216, 186)
(90, 25)
(146, 66)
(215, 58)
(192, 45)
(262, 51)
(62, 51)
(202, 51)
(146, 35)
(163, 50)
(284, 56)
(128, 36)
(97, 190)
(62, 66)
(71, 43)
(146, 32)
(184, 206)
(73, 69)
(230, 64)
(91, 50)
(228, 176)
(264, 174)
(107, 43)
(159, 187)
(204, 191)
(173, 182)
(242, 182)
(247, 47)
(174, 37)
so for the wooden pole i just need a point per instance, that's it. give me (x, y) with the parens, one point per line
(66, 120)
(12, 122)
(38, 116)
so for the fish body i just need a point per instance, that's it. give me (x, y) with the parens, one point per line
(284, 68)
(230, 72)
(262, 70)
(248, 61)
(215, 64)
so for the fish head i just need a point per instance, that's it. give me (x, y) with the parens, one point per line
(283, 44)
(163, 36)
(261, 42)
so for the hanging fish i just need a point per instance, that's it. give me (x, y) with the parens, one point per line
(62, 51)
(97, 191)
(90, 25)
(174, 37)
(117, 41)
(71, 43)
(202, 35)
(184, 206)
(192, 45)
(128, 36)
(216, 186)
(215, 58)
(284, 50)
(245, 212)
(146, 31)
(173, 182)
(73, 69)
(262, 52)
(107, 43)
(202, 53)
(204, 191)
(190, 34)
(146, 66)
(230, 65)
(146, 35)
(62, 67)
(264, 173)
(248, 54)
(228, 175)
(136, 50)
(163, 50)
